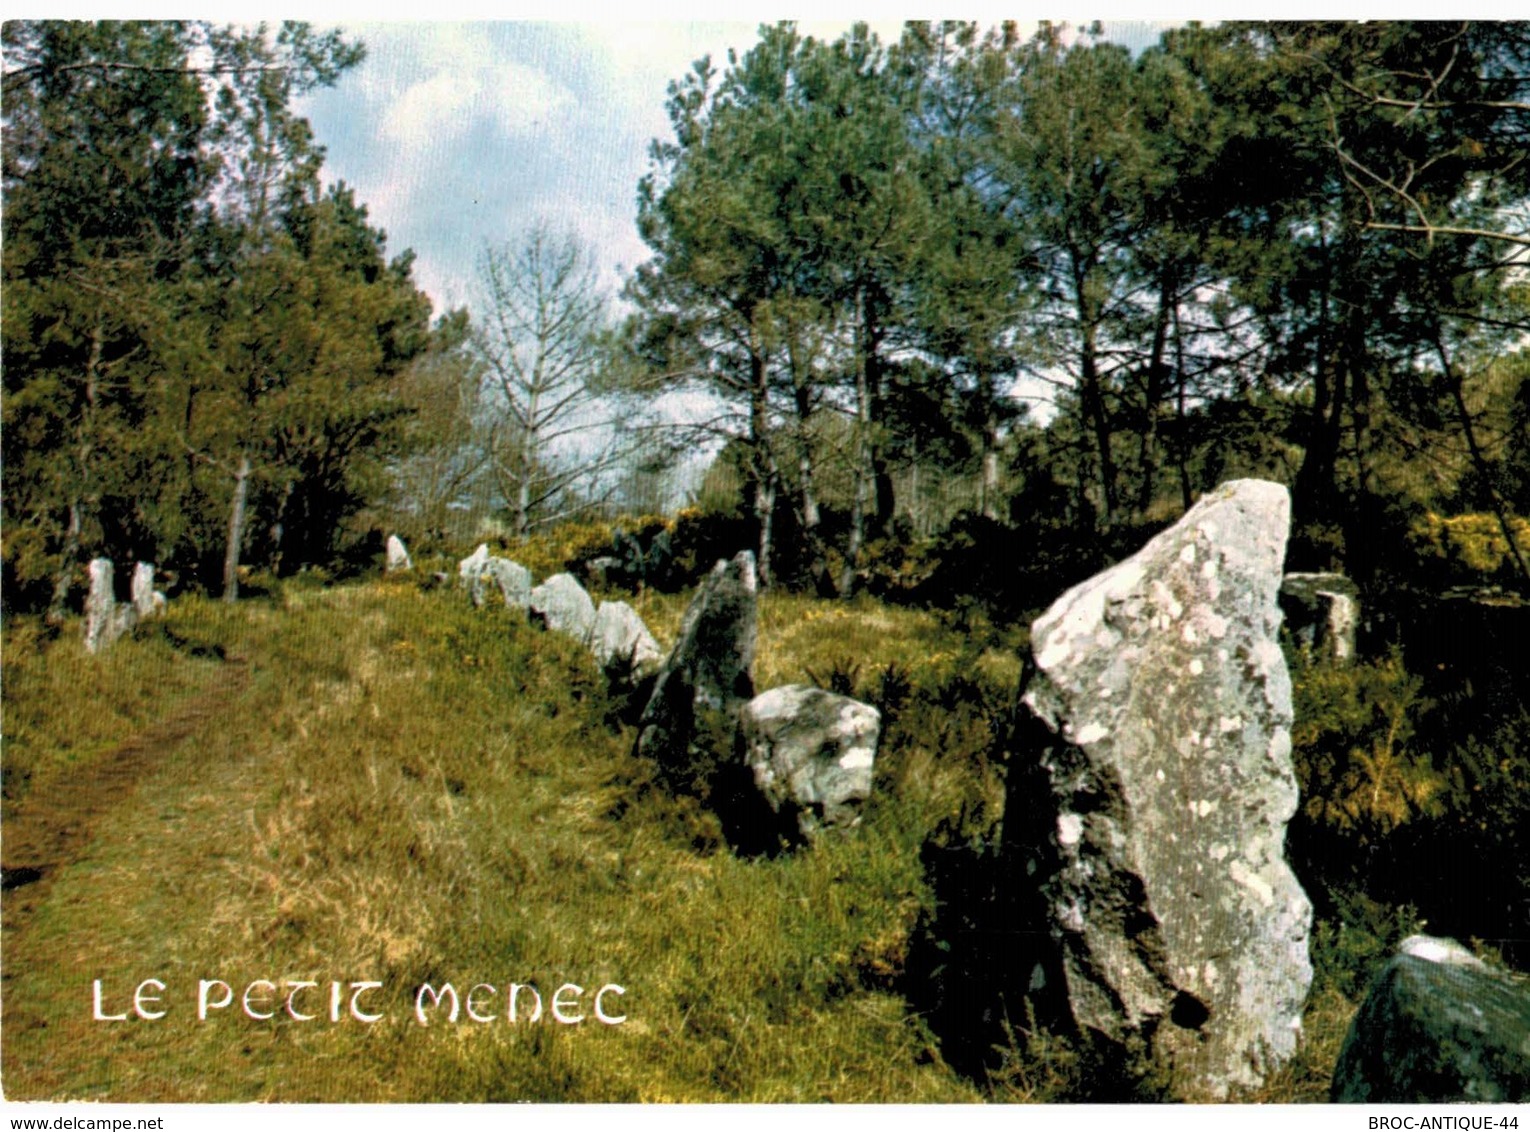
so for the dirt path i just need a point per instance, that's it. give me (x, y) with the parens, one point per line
(54, 824)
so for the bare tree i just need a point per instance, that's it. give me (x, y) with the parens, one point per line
(555, 426)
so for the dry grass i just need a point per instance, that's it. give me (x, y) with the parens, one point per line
(409, 790)
(406, 790)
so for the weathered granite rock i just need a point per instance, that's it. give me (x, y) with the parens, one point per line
(708, 675)
(513, 580)
(812, 754)
(470, 573)
(1168, 707)
(561, 604)
(106, 621)
(1322, 611)
(622, 644)
(398, 560)
(1438, 1024)
(147, 601)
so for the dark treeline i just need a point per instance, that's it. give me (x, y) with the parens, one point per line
(200, 341)
(1290, 250)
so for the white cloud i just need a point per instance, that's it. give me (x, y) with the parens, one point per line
(512, 98)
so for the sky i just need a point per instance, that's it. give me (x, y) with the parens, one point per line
(454, 134)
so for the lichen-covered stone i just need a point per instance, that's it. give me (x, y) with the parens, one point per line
(513, 580)
(1438, 1024)
(622, 644)
(398, 560)
(812, 754)
(1322, 612)
(1167, 707)
(562, 605)
(708, 675)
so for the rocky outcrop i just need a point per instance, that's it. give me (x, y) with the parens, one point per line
(1166, 708)
(398, 560)
(708, 675)
(623, 646)
(513, 580)
(106, 621)
(1322, 611)
(1437, 1025)
(812, 753)
(561, 604)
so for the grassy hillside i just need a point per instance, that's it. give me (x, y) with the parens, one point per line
(377, 783)
(388, 785)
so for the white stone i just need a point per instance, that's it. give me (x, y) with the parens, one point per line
(398, 560)
(562, 604)
(1070, 828)
(1173, 654)
(812, 754)
(622, 644)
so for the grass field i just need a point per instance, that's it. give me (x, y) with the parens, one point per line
(374, 783)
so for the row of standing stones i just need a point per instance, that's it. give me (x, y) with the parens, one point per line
(106, 619)
(1162, 703)
(811, 752)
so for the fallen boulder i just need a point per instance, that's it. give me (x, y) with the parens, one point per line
(811, 753)
(622, 644)
(1438, 1024)
(1165, 707)
(561, 604)
(1322, 611)
(398, 560)
(707, 676)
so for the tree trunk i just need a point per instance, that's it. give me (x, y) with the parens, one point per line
(761, 461)
(861, 503)
(1154, 395)
(64, 574)
(1093, 396)
(988, 498)
(1341, 347)
(278, 531)
(882, 481)
(807, 492)
(1181, 379)
(236, 529)
(764, 510)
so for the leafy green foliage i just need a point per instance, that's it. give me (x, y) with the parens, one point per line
(199, 342)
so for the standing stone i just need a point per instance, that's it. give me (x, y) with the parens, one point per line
(622, 644)
(513, 580)
(1322, 611)
(707, 676)
(1437, 1025)
(561, 604)
(470, 572)
(398, 557)
(1168, 706)
(147, 601)
(105, 620)
(812, 754)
